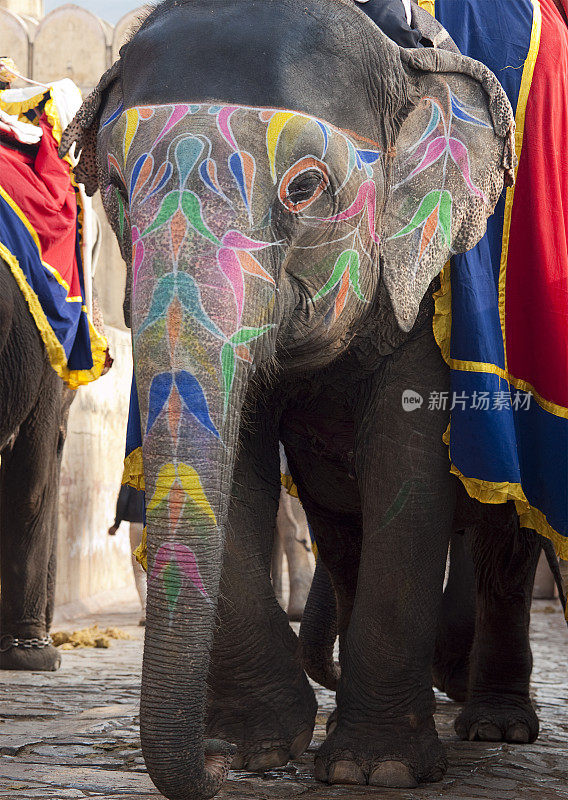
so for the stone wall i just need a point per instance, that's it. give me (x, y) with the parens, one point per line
(73, 42)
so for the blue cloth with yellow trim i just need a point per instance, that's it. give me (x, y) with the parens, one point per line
(502, 312)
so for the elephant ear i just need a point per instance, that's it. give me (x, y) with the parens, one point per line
(82, 130)
(451, 155)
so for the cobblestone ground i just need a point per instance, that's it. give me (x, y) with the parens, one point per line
(74, 734)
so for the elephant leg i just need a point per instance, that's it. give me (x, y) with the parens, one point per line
(385, 733)
(28, 508)
(259, 696)
(318, 630)
(498, 707)
(297, 548)
(457, 622)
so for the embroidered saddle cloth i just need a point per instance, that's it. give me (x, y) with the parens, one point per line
(502, 312)
(41, 234)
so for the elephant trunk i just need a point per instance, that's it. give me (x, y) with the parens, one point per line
(187, 508)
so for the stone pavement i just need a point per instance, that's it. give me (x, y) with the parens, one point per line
(74, 734)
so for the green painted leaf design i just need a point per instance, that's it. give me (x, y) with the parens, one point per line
(445, 216)
(170, 205)
(120, 212)
(426, 207)
(341, 265)
(398, 504)
(191, 207)
(172, 583)
(245, 335)
(228, 365)
(354, 264)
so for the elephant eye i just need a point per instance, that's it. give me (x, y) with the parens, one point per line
(303, 183)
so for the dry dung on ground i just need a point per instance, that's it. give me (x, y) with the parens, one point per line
(87, 637)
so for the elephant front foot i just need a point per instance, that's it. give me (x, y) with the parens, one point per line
(382, 756)
(32, 658)
(270, 731)
(498, 721)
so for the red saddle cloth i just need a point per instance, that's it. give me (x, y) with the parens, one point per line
(41, 187)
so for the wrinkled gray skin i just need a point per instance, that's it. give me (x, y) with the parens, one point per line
(327, 384)
(34, 406)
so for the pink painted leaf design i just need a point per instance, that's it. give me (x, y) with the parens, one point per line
(435, 150)
(366, 198)
(230, 266)
(188, 565)
(241, 242)
(460, 156)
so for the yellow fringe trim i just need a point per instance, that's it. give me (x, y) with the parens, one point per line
(141, 552)
(288, 484)
(55, 351)
(133, 474)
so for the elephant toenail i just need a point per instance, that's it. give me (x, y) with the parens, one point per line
(320, 772)
(300, 744)
(518, 734)
(485, 731)
(238, 762)
(394, 774)
(260, 762)
(347, 772)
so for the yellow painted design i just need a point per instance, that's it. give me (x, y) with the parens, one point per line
(55, 352)
(275, 127)
(164, 483)
(133, 474)
(189, 480)
(131, 128)
(141, 552)
(526, 83)
(428, 5)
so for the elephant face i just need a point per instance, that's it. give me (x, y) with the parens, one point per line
(260, 201)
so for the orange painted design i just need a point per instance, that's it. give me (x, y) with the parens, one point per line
(174, 414)
(250, 265)
(342, 295)
(176, 502)
(249, 169)
(303, 165)
(179, 229)
(146, 113)
(145, 174)
(243, 353)
(430, 227)
(267, 114)
(174, 320)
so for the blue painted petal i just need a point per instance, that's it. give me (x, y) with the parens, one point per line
(461, 113)
(194, 399)
(136, 172)
(190, 298)
(167, 175)
(204, 174)
(113, 116)
(187, 156)
(369, 156)
(159, 395)
(325, 137)
(236, 167)
(432, 125)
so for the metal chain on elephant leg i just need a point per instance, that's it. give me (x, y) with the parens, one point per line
(27, 644)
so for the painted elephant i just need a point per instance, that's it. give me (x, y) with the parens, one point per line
(285, 184)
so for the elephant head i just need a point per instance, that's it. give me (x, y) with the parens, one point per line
(265, 166)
